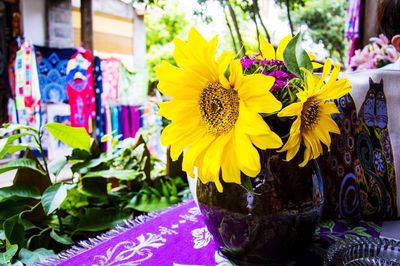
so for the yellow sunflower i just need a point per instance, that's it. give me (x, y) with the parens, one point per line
(268, 51)
(313, 113)
(215, 120)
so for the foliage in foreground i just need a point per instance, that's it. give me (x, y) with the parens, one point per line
(39, 217)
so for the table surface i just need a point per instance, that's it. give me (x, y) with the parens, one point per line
(178, 236)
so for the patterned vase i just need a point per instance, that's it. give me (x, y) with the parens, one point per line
(274, 223)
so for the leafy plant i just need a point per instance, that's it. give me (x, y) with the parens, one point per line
(40, 217)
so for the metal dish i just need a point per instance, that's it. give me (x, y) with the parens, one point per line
(363, 252)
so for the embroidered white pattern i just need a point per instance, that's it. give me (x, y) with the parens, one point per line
(201, 237)
(130, 251)
(166, 231)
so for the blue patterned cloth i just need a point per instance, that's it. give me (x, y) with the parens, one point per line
(52, 70)
(98, 89)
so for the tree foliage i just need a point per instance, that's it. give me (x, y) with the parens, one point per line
(325, 21)
(165, 23)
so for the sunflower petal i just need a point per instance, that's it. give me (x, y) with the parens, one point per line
(281, 47)
(270, 141)
(236, 76)
(254, 85)
(247, 154)
(293, 109)
(230, 166)
(267, 50)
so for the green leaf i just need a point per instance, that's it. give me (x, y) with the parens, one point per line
(6, 142)
(14, 230)
(97, 219)
(21, 164)
(6, 257)
(34, 257)
(11, 208)
(9, 128)
(149, 203)
(11, 148)
(75, 137)
(119, 174)
(28, 225)
(53, 197)
(16, 192)
(360, 231)
(79, 154)
(63, 239)
(296, 58)
(56, 166)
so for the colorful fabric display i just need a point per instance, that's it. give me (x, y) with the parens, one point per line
(52, 68)
(98, 89)
(152, 126)
(27, 92)
(80, 89)
(135, 120)
(110, 73)
(115, 120)
(352, 26)
(132, 87)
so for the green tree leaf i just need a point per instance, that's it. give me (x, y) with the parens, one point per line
(56, 166)
(11, 208)
(75, 137)
(9, 128)
(6, 257)
(296, 58)
(6, 142)
(97, 219)
(16, 192)
(53, 197)
(63, 239)
(34, 257)
(148, 203)
(14, 230)
(13, 148)
(21, 164)
(119, 174)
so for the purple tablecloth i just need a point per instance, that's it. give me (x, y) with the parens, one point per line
(179, 236)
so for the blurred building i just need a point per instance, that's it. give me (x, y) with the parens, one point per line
(118, 28)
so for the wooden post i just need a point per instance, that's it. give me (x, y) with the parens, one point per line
(87, 37)
(369, 21)
(87, 24)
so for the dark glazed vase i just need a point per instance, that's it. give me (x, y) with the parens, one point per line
(271, 225)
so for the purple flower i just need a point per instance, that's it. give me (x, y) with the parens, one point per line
(246, 62)
(281, 79)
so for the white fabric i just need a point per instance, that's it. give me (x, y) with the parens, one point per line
(393, 66)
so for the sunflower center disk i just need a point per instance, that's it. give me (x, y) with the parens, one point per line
(310, 113)
(219, 108)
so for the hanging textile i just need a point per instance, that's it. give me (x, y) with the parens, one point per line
(132, 87)
(80, 89)
(135, 120)
(98, 89)
(115, 120)
(352, 26)
(110, 72)
(52, 68)
(27, 92)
